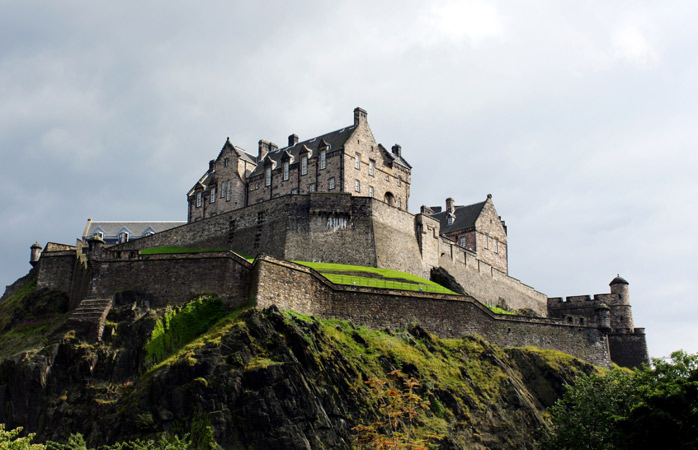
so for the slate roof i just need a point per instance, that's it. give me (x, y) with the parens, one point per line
(136, 229)
(242, 154)
(465, 217)
(334, 139)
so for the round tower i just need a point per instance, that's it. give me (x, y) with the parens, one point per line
(35, 254)
(621, 314)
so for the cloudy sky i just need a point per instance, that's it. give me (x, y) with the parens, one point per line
(578, 117)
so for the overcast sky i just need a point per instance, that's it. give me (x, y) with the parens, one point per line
(578, 117)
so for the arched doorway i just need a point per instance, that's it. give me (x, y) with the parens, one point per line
(390, 198)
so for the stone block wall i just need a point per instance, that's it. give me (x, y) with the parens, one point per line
(629, 349)
(175, 279)
(289, 286)
(56, 270)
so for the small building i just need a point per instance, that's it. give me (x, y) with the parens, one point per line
(120, 232)
(477, 228)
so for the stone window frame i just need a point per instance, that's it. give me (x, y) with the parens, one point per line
(222, 188)
(286, 170)
(399, 203)
(370, 191)
(311, 187)
(267, 176)
(331, 184)
(323, 159)
(371, 167)
(357, 161)
(463, 241)
(228, 190)
(213, 195)
(198, 199)
(304, 165)
(357, 186)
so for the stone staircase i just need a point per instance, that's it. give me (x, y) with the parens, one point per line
(89, 318)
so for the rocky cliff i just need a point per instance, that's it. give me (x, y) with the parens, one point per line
(259, 379)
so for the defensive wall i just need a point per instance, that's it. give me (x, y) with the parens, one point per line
(346, 229)
(171, 279)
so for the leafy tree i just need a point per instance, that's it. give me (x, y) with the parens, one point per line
(652, 408)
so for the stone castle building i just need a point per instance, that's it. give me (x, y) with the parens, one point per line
(342, 198)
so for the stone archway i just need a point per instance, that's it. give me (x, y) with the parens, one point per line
(389, 198)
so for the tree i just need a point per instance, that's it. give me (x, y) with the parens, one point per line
(656, 407)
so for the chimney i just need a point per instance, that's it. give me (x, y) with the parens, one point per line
(450, 205)
(273, 147)
(424, 209)
(397, 150)
(359, 116)
(292, 140)
(263, 149)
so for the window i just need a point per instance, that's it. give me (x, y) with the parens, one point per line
(294, 191)
(357, 161)
(256, 185)
(198, 199)
(225, 162)
(311, 188)
(399, 203)
(213, 195)
(304, 165)
(462, 241)
(370, 191)
(331, 183)
(357, 185)
(222, 189)
(123, 237)
(399, 181)
(227, 191)
(451, 218)
(371, 166)
(487, 241)
(267, 176)
(323, 159)
(99, 234)
(286, 171)
(496, 246)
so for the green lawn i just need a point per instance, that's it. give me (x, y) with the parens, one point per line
(171, 250)
(374, 277)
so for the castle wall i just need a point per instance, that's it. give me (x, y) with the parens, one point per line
(289, 286)
(629, 349)
(488, 284)
(56, 270)
(491, 238)
(175, 279)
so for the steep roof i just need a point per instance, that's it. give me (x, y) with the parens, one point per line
(335, 140)
(242, 154)
(137, 229)
(465, 217)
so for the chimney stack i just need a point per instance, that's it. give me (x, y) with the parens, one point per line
(360, 116)
(450, 205)
(292, 140)
(397, 150)
(263, 149)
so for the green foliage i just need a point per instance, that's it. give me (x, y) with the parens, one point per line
(498, 310)
(651, 408)
(178, 327)
(374, 277)
(11, 440)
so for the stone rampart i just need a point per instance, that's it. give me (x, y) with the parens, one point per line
(447, 316)
(175, 278)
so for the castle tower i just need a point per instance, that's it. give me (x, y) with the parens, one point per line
(35, 254)
(621, 313)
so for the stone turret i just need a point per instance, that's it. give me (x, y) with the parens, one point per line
(621, 312)
(95, 248)
(35, 254)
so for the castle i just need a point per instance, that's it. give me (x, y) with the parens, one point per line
(339, 198)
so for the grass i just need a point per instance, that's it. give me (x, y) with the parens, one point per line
(498, 310)
(374, 277)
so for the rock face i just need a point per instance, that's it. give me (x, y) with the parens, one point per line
(270, 379)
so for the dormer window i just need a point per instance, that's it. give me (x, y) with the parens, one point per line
(98, 234)
(267, 176)
(304, 165)
(286, 170)
(123, 237)
(451, 218)
(323, 159)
